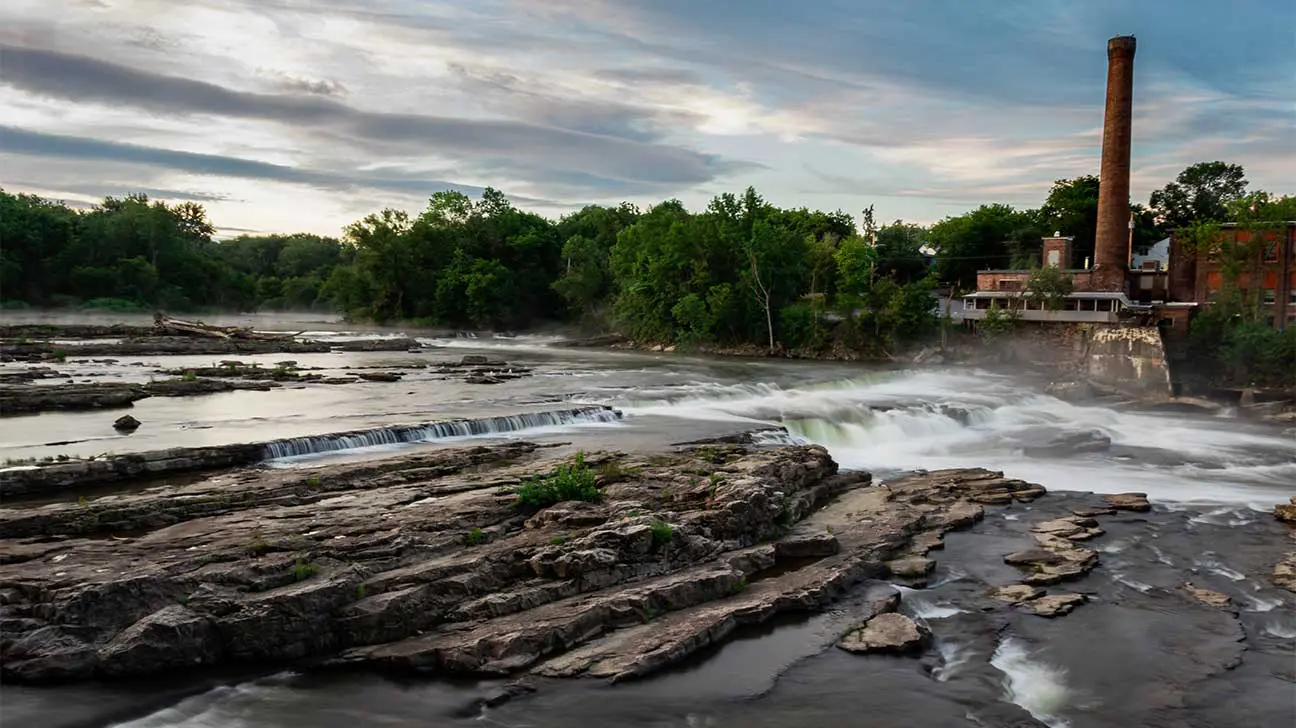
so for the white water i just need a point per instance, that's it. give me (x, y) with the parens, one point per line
(298, 447)
(921, 607)
(1037, 686)
(899, 421)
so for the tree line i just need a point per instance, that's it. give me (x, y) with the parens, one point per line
(740, 271)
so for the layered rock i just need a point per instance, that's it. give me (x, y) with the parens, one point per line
(427, 563)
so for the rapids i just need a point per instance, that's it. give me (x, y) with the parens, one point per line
(1210, 478)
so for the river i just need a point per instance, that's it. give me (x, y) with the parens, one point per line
(1210, 477)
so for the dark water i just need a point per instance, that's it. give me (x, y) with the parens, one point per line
(1139, 654)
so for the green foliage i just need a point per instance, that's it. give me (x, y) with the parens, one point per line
(999, 320)
(360, 591)
(569, 481)
(1050, 286)
(303, 570)
(986, 238)
(189, 376)
(557, 540)
(662, 534)
(1201, 193)
(475, 537)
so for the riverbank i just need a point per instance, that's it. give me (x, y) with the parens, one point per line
(441, 563)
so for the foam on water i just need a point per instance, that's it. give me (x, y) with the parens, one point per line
(921, 607)
(954, 655)
(1280, 630)
(522, 342)
(1038, 687)
(1211, 563)
(898, 421)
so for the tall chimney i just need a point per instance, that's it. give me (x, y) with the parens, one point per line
(1111, 242)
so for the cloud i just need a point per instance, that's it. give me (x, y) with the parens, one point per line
(298, 84)
(20, 141)
(608, 159)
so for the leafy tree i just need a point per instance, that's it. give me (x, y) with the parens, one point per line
(1200, 193)
(1071, 208)
(1051, 286)
(899, 251)
(975, 241)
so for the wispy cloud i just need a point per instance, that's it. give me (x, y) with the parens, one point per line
(922, 106)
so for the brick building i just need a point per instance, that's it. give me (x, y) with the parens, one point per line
(1271, 277)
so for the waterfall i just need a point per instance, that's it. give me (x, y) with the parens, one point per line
(434, 431)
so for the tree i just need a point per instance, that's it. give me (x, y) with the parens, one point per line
(1071, 208)
(899, 251)
(977, 240)
(1200, 193)
(1050, 286)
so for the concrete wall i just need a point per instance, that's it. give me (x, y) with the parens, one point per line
(1129, 359)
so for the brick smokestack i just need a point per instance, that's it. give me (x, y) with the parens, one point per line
(1111, 244)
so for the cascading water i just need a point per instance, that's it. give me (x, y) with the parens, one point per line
(1038, 687)
(432, 432)
(898, 421)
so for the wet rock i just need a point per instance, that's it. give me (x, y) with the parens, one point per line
(1054, 605)
(1071, 391)
(371, 563)
(1016, 593)
(482, 379)
(380, 376)
(22, 399)
(126, 423)
(477, 359)
(1128, 501)
(1093, 512)
(172, 637)
(1071, 443)
(1206, 596)
(1286, 512)
(888, 633)
(1284, 573)
(913, 567)
(1033, 556)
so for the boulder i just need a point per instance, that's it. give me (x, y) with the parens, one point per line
(126, 423)
(1128, 501)
(1206, 596)
(1069, 443)
(172, 637)
(1286, 512)
(1016, 593)
(889, 632)
(380, 376)
(1054, 605)
(912, 567)
(1284, 573)
(1032, 556)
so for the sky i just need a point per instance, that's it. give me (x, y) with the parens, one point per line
(305, 115)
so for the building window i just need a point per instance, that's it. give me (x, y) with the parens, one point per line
(1269, 321)
(1009, 284)
(1269, 295)
(1271, 252)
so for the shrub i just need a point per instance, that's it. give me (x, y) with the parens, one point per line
(569, 481)
(557, 540)
(475, 536)
(303, 570)
(189, 376)
(662, 533)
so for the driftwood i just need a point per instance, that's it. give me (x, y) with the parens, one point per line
(198, 328)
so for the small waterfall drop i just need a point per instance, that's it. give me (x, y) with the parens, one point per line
(435, 431)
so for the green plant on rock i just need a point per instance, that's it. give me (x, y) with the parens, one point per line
(360, 591)
(557, 540)
(303, 570)
(189, 376)
(313, 481)
(475, 537)
(569, 481)
(739, 586)
(258, 545)
(662, 533)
